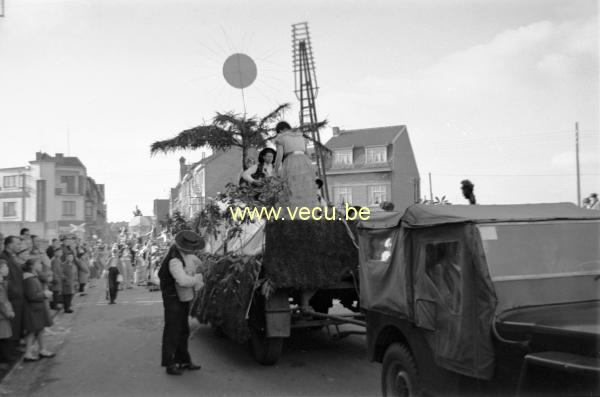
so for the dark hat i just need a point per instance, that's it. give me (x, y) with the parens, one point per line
(189, 241)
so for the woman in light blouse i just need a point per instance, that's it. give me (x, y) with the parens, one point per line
(295, 167)
(178, 280)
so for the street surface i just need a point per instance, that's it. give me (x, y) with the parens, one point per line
(114, 350)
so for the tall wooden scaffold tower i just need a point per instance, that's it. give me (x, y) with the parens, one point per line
(306, 89)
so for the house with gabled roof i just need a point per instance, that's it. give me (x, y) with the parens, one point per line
(204, 179)
(372, 165)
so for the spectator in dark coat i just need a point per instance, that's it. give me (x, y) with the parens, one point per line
(6, 310)
(113, 282)
(68, 281)
(57, 278)
(9, 348)
(35, 317)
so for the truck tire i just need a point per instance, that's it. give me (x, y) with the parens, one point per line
(266, 350)
(399, 376)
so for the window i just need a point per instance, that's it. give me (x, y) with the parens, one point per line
(377, 194)
(342, 194)
(9, 209)
(69, 182)
(10, 181)
(89, 210)
(68, 208)
(442, 265)
(380, 247)
(343, 157)
(376, 154)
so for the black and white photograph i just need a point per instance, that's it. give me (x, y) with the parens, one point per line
(299, 198)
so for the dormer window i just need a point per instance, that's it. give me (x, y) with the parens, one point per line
(376, 154)
(343, 156)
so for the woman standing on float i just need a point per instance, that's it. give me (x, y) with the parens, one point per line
(177, 286)
(295, 167)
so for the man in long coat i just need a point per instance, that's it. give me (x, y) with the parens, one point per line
(57, 278)
(9, 348)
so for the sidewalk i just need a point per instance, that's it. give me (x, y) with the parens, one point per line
(60, 321)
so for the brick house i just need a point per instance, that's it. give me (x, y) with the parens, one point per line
(369, 166)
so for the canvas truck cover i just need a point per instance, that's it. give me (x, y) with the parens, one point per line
(542, 263)
(454, 299)
(383, 284)
(421, 215)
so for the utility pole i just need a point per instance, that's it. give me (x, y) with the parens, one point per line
(577, 164)
(430, 189)
(1, 8)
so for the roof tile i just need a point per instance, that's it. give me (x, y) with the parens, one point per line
(365, 137)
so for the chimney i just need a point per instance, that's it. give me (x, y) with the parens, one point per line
(38, 156)
(182, 168)
(336, 131)
(59, 155)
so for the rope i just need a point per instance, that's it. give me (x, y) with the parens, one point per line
(350, 234)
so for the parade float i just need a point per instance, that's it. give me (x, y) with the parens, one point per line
(265, 278)
(258, 273)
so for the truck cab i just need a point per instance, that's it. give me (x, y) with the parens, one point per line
(483, 299)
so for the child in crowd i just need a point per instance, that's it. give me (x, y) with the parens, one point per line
(36, 317)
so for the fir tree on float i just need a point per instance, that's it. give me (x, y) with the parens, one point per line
(230, 130)
(225, 131)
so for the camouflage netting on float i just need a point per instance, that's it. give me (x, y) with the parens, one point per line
(228, 287)
(308, 254)
(298, 255)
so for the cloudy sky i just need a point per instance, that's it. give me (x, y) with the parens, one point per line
(489, 90)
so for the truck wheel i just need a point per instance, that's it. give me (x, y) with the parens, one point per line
(266, 350)
(399, 376)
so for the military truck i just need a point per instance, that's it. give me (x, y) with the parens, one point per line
(483, 299)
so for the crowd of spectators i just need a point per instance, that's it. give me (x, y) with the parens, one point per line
(38, 279)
